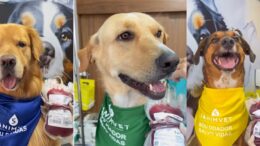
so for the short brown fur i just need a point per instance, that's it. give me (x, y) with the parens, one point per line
(212, 73)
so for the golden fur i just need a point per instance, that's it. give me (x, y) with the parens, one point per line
(134, 57)
(26, 68)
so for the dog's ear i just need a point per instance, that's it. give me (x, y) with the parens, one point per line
(247, 50)
(200, 50)
(238, 32)
(85, 54)
(27, 19)
(165, 37)
(59, 20)
(36, 43)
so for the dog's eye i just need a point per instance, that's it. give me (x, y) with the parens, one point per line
(236, 38)
(215, 40)
(202, 36)
(64, 37)
(125, 36)
(21, 44)
(158, 34)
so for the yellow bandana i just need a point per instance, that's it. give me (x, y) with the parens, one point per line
(221, 116)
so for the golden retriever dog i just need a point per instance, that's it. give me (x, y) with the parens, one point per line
(130, 52)
(20, 73)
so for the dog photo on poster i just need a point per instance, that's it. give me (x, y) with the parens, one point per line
(224, 38)
(218, 16)
(53, 20)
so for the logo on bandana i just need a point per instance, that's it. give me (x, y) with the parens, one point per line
(217, 121)
(215, 113)
(111, 112)
(115, 127)
(18, 119)
(13, 121)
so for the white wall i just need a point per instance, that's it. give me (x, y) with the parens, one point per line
(253, 7)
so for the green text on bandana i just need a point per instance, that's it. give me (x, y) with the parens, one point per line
(121, 126)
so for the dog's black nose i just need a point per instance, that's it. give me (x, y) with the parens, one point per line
(228, 43)
(167, 62)
(8, 61)
(48, 49)
(48, 54)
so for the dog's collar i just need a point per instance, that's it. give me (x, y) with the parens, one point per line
(222, 90)
(18, 119)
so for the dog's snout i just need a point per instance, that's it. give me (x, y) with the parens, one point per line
(167, 62)
(8, 61)
(228, 43)
(48, 54)
(49, 49)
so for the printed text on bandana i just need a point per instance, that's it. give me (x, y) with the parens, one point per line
(114, 130)
(213, 129)
(10, 127)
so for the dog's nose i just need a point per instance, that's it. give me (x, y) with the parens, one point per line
(48, 49)
(8, 61)
(167, 62)
(228, 43)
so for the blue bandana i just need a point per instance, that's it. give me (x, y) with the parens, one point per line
(18, 118)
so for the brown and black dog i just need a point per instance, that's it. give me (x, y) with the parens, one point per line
(224, 54)
(20, 73)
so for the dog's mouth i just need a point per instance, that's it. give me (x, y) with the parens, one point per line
(154, 90)
(9, 82)
(226, 60)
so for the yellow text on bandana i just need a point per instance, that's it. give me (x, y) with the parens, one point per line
(221, 116)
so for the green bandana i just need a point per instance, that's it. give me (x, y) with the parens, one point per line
(121, 126)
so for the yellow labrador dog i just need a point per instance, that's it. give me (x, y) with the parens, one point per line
(130, 52)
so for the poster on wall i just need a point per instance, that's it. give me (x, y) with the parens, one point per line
(53, 19)
(207, 16)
